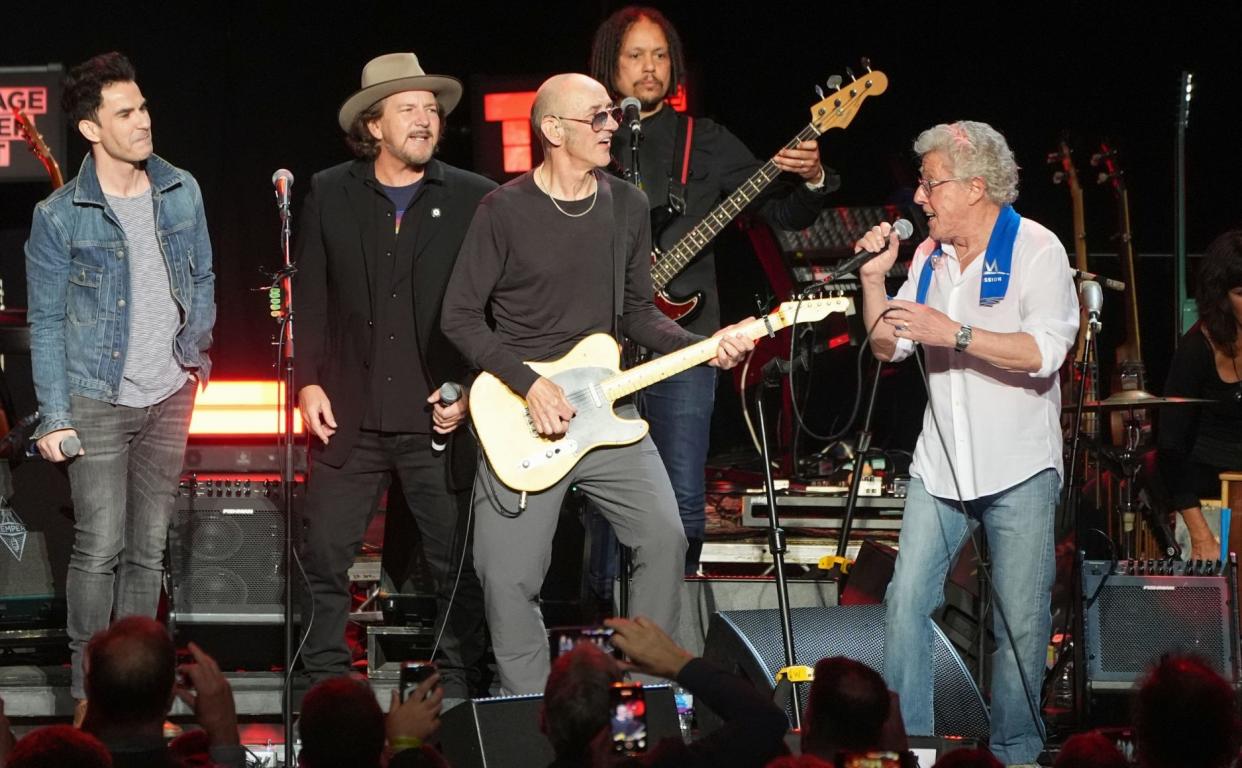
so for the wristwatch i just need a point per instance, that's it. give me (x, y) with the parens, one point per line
(963, 338)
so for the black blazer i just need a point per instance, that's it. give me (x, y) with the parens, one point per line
(336, 252)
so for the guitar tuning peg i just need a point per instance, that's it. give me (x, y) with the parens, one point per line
(866, 63)
(1053, 158)
(851, 74)
(834, 82)
(1095, 159)
(1058, 177)
(1102, 177)
(819, 91)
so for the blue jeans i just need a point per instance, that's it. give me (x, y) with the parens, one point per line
(679, 410)
(1019, 527)
(124, 487)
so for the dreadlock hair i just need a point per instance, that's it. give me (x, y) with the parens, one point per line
(606, 47)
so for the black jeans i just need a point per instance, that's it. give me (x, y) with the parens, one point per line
(340, 502)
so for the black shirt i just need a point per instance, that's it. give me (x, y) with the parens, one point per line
(1197, 442)
(547, 279)
(398, 386)
(719, 164)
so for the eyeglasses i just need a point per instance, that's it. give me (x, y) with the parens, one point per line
(928, 186)
(599, 120)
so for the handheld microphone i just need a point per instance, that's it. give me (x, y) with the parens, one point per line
(1107, 282)
(631, 113)
(70, 446)
(450, 392)
(902, 227)
(1093, 302)
(283, 181)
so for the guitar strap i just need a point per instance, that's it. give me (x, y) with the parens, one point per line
(615, 204)
(679, 170)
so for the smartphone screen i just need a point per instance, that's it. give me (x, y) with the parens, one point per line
(413, 673)
(628, 716)
(563, 639)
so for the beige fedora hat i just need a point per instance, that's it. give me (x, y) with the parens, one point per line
(393, 73)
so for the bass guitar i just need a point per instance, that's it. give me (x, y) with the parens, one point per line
(834, 111)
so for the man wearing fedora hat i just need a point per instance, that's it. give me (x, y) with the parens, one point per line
(376, 244)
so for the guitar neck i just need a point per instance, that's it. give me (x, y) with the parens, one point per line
(1080, 230)
(1131, 349)
(671, 263)
(629, 382)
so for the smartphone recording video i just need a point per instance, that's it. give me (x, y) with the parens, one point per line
(563, 639)
(413, 673)
(628, 716)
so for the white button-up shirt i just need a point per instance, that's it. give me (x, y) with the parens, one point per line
(1000, 427)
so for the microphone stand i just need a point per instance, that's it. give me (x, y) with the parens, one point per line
(287, 475)
(860, 455)
(633, 175)
(1070, 503)
(777, 547)
(625, 562)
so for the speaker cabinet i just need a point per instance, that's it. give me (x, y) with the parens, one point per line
(1132, 619)
(504, 732)
(702, 597)
(226, 552)
(750, 643)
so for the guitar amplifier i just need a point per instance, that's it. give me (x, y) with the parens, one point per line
(226, 550)
(1135, 611)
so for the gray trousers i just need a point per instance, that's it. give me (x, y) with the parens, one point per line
(512, 551)
(124, 490)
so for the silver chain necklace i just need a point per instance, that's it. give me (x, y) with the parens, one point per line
(548, 191)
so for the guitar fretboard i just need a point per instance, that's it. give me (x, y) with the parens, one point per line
(630, 381)
(671, 263)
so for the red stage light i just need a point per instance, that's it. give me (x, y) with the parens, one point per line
(512, 111)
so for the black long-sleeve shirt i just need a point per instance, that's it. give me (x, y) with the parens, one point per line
(546, 276)
(719, 164)
(1196, 442)
(753, 732)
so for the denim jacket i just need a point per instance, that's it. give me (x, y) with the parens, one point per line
(77, 278)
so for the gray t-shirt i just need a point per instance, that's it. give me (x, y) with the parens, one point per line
(151, 372)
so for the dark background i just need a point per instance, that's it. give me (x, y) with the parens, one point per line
(240, 89)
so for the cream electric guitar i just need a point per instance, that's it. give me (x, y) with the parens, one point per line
(590, 374)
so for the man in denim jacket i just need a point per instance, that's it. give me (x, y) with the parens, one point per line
(121, 309)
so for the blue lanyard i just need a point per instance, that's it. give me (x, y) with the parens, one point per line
(997, 261)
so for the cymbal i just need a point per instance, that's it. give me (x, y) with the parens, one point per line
(1133, 399)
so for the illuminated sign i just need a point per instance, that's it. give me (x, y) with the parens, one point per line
(512, 111)
(35, 91)
(242, 408)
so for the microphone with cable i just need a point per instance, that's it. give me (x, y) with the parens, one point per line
(282, 179)
(631, 114)
(1093, 302)
(902, 227)
(450, 392)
